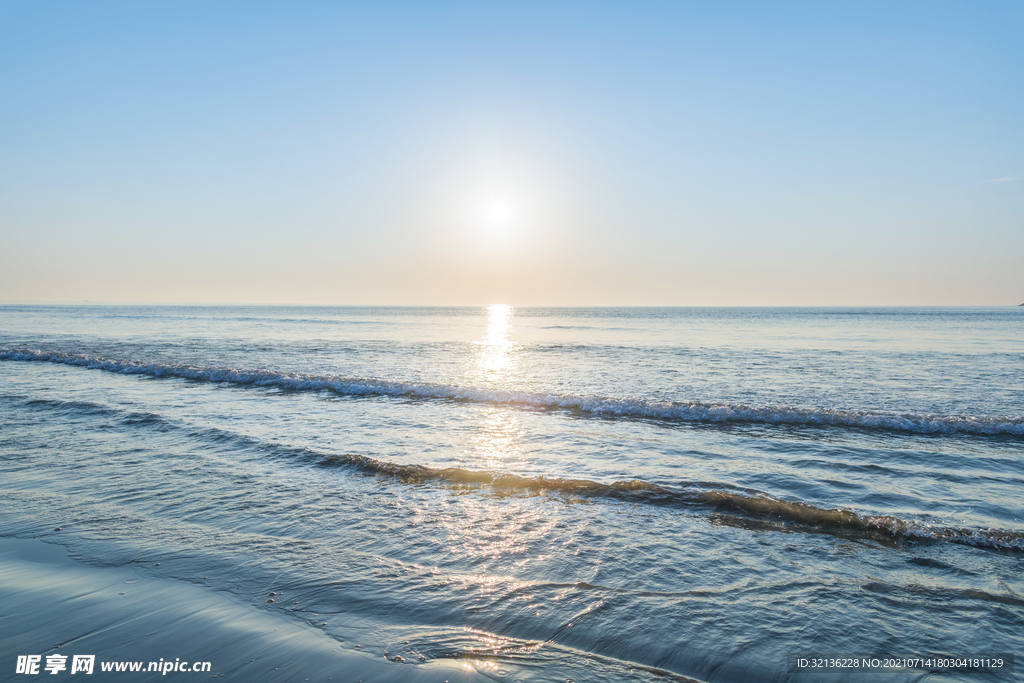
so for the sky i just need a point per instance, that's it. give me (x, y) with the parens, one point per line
(548, 153)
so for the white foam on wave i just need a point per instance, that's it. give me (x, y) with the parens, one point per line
(690, 411)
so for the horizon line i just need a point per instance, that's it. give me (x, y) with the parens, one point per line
(87, 302)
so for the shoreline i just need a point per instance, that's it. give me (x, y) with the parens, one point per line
(52, 604)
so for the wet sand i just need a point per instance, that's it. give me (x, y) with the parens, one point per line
(52, 604)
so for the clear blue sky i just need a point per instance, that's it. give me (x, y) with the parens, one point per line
(526, 153)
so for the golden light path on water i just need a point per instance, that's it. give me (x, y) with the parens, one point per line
(490, 532)
(499, 533)
(497, 443)
(494, 360)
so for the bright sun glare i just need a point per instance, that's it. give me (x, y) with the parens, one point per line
(497, 214)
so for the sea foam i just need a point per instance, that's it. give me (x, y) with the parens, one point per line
(686, 411)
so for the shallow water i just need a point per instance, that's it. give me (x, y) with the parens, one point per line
(595, 494)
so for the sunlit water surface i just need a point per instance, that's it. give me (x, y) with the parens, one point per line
(594, 494)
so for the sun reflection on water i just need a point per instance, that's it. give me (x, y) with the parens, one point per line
(489, 532)
(496, 444)
(495, 359)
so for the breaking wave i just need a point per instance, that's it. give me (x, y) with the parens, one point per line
(687, 411)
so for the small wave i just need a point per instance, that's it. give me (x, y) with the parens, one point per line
(76, 407)
(739, 507)
(685, 411)
(762, 509)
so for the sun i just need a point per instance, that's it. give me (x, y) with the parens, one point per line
(497, 214)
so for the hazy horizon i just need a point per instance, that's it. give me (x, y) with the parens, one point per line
(538, 155)
(227, 304)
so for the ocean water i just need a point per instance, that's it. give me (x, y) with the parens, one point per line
(628, 494)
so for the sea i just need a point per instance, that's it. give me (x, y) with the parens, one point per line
(545, 494)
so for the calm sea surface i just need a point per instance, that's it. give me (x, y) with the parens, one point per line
(548, 494)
